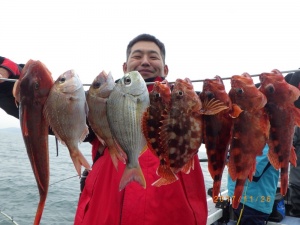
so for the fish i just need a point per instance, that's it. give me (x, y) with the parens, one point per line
(66, 110)
(32, 90)
(126, 105)
(283, 118)
(250, 131)
(216, 131)
(181, 129)
(97, 97)
(160, 97)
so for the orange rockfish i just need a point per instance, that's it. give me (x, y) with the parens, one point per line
(96, 98)
(66, 110)
(250, 131)
(126, 105)
(32, 90)
(283, 118)
(217, 131)
(160, 97)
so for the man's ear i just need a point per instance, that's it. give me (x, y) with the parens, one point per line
(124, 67)
(166, 70)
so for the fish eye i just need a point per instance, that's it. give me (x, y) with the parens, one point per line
(36, 85)
(271, 89)
(62, 80)
(210, 95)
(96, 84)
(239, 90)
(127, 80)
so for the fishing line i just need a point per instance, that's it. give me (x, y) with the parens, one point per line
(8, 217)
(63, 180)
(242, 210)
(171, 82)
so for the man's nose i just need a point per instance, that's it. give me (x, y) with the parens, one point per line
(145, 61)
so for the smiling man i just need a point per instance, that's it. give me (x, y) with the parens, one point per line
(101, 202)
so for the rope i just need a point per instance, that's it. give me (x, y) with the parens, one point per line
(193, 81)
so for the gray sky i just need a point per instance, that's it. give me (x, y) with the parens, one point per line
(202, 38)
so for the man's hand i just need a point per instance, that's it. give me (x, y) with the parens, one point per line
(3, 74)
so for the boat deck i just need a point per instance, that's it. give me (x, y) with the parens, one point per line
(215, 214)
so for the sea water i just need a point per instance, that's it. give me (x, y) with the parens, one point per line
(19, 194)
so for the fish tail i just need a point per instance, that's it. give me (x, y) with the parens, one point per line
(216, 189)
(273, 158)
(132, 174)
(40, 209)
(167, 176)
(283, 181)
(188, 166)
(238, 192)
(78, 161)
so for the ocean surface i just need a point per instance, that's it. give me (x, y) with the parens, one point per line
(19, 195)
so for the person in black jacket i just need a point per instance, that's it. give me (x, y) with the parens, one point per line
(294, 178)
(12, 70)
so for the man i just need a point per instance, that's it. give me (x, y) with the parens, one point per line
(101, 202)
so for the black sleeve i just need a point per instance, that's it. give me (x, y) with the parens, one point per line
(7, 100)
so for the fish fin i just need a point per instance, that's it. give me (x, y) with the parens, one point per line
(216, 190)
(231, 169)
(238, 192)
(293, 157)
(165, 172)
(115, 156)
(188, 166)
(212, 107)
(297, 116)
(84, 134)
(24, 121)
(78, 161)
(163, 181)
(273, 158)
(236, 111)
(132, 174)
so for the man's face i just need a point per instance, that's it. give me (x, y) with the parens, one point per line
(145, 57)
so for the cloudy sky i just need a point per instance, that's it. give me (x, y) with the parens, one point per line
(202, 38)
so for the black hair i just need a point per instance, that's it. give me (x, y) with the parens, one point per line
(147, 37)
